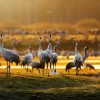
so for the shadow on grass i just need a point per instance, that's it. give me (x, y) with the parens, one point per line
(45, 88)
(49, 96)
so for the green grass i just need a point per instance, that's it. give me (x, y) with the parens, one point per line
(49, 88)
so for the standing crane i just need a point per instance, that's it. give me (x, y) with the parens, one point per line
(27, 59)
(71, 64)
(9, 55)
(77, 59)
(49, 51)
(43, 56)
(54, 58)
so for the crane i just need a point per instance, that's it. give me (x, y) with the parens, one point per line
(9, 55)
(27, 59)
(54, 57)
(43, 56)
(77, 58)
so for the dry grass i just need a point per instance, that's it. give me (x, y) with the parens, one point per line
(24, 85)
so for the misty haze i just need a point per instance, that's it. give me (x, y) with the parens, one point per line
(32, 11)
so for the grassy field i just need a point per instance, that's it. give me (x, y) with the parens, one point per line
(22, 85)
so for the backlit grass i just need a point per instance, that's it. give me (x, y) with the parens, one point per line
(24, 85)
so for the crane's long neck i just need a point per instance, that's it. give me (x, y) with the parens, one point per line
(49, 46)
(85, 55)
(40, 47)
(76, 50)
(55, 49)
(1, 45)
(30, 50)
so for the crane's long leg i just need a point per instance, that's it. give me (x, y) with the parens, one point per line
(43, 66)
(68, 71)
(27, 67)
(55, 67)
(43, 72)
(7, 68)
(50, 65)
(76, 70)
(38, 70)
(46, 68)
(32, 69)
(24, 66)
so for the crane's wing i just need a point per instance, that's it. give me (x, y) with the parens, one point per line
(54, 57)
(35, 64)
(28, 58)
(43, 55)
(11, 56)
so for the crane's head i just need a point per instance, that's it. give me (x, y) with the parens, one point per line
(85, 48)
(75, 42)
(56, 46)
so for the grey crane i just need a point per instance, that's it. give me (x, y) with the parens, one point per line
(43, 56)
(77, 59)
(90, 66)
(54, 58)
(9, 55)
(27, 59)
(71, 64)
(38, 66)
(49, 51)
